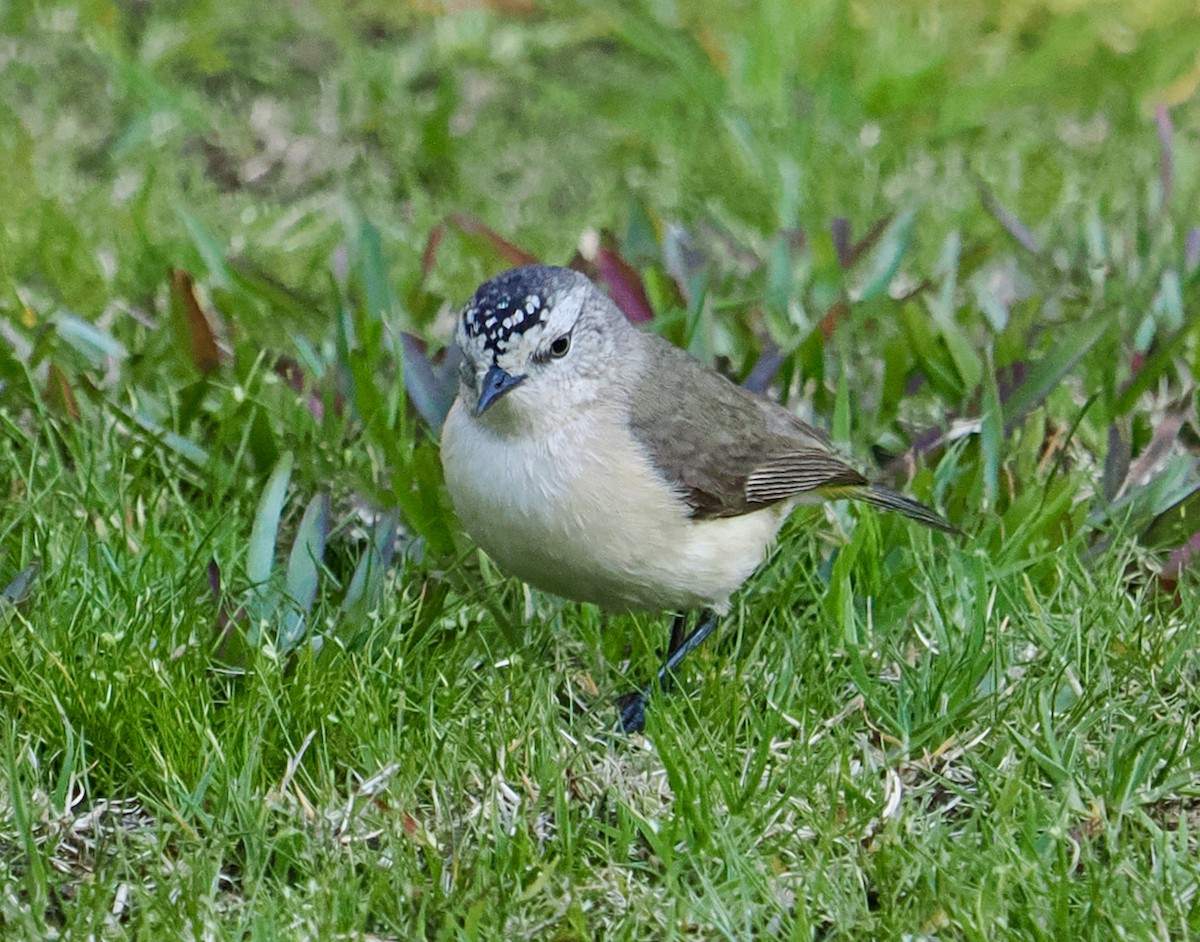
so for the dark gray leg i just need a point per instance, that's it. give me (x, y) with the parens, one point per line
(677, 629)
(633, 706)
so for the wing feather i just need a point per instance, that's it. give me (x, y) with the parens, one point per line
(793, 474)
(724, 450)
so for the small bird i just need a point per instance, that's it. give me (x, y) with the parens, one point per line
(602, 464)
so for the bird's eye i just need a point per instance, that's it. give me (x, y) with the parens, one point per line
(559, 348)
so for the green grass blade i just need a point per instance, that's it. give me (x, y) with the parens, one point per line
(260, 551)
(1045, 375)
(304, 563)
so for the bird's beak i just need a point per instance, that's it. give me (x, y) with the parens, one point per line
(495, 384)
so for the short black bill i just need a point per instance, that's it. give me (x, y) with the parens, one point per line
(496, 383)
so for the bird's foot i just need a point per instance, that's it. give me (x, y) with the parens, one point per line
(632, 707)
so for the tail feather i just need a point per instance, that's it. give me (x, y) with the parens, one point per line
(887, 499)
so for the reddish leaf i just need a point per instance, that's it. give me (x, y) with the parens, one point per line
(867, 242)
(60, 392)
(849, 253)
(191, 323)
(431, 247)
(1009, 378)
(624, 285)
(582, 265)
(1165, 435)
(1180, 559)
(604, 263)
(509, 251)
(838, 312)
(287, 369)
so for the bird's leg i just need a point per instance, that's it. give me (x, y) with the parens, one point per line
(677, 636)
(678, 627)
(707, 624)
(633, 706)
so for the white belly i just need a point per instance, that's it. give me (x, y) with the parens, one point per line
(569, 516)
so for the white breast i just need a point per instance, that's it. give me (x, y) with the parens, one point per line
(578, 510)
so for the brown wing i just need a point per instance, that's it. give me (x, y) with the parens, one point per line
(725, 450)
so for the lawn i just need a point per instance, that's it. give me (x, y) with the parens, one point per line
(255, 683)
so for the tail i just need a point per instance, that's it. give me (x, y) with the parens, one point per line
(886, 499)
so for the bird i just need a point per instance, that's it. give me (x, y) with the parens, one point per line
(599, 462)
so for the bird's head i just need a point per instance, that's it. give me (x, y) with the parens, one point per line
(539, 340)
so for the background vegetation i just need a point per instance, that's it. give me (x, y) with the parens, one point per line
(254, 683)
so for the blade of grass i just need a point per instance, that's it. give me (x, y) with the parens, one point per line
(1044, 375)
(260, 551)
(304, 569)
(885, 260)
(304, 563)
(367, 582)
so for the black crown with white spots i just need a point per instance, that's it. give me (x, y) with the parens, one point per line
(512, 303)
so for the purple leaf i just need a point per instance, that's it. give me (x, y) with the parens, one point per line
(624, 285)
(430, 387)
(904, 465)
(1010, 377)
(290, 371)
(214, 579)
(839, 228)
(765, 368)
(1012, 225)
(1191, 247)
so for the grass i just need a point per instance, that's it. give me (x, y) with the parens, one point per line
(255, 683)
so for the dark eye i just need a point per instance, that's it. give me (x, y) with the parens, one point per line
(559, 348)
